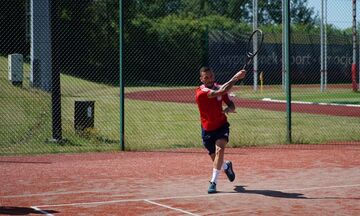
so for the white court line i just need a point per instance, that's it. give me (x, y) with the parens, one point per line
(41, 211)
(311, 103)
(190, 196)
(57, 193)
(117, 201)
(169, 207)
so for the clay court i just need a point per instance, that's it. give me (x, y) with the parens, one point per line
(321, 179)
(278, 180)
(55, 53)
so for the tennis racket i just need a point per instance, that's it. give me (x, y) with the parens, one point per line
(253, 46)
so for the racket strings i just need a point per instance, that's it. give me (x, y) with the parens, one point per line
(255, 42)
(253, 46)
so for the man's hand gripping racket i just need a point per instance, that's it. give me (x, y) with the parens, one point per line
(253, 47)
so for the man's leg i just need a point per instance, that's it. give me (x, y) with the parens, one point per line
(212, 156)
(217, 158)
(219, 153)
(218, 162)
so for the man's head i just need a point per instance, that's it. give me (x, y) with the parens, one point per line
(207, 77)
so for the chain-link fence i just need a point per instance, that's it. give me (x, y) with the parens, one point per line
(165, 43)
(78, 39)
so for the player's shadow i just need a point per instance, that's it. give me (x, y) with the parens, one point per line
(271, 193)
(11, 210)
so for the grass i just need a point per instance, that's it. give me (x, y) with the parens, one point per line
(26, 119)
(173, 125)
(26, 126)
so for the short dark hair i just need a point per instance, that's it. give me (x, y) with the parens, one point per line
(205, 69)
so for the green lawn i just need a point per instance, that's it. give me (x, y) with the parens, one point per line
(153, 125)
(25, 124)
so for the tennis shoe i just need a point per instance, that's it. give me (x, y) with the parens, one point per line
(212, 188)
(229, 171)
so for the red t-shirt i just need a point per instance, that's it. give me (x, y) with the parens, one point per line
(211, 110)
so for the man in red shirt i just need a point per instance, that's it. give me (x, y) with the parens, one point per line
(215, 127)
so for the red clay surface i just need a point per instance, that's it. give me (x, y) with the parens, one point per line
(283, 180)
(188, 96)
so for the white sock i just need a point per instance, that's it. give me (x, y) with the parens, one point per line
(225, 166)
(215, 175)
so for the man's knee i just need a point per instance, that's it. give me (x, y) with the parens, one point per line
(221, 143)
(220, 148)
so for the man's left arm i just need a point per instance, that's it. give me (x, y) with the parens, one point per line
(230, 106)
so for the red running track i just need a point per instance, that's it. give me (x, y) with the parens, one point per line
(188, 96)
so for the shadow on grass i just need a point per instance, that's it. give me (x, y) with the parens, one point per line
(346, 102)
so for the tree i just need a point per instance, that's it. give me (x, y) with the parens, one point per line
(301, 13)
(270, 12)
(13, 27)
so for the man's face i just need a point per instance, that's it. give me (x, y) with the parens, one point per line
(207, 78)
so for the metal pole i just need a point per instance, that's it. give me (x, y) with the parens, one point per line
(255, 21)
(44, 74)
(322, 47)
(206, 47)
(40, 45)
(55, 75)
(353, 66)
(287, 68)
(325, 47)
(121, 44)
(356, 86)
(283, 47)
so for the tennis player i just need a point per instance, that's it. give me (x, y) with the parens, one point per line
(215, 127)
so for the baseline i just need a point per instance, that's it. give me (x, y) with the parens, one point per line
(187, 197)
(41, 211)
(169, 207)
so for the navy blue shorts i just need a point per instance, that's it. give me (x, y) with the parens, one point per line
(209, 137)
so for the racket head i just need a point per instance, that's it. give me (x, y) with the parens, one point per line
(255, 43)
(253, 46)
